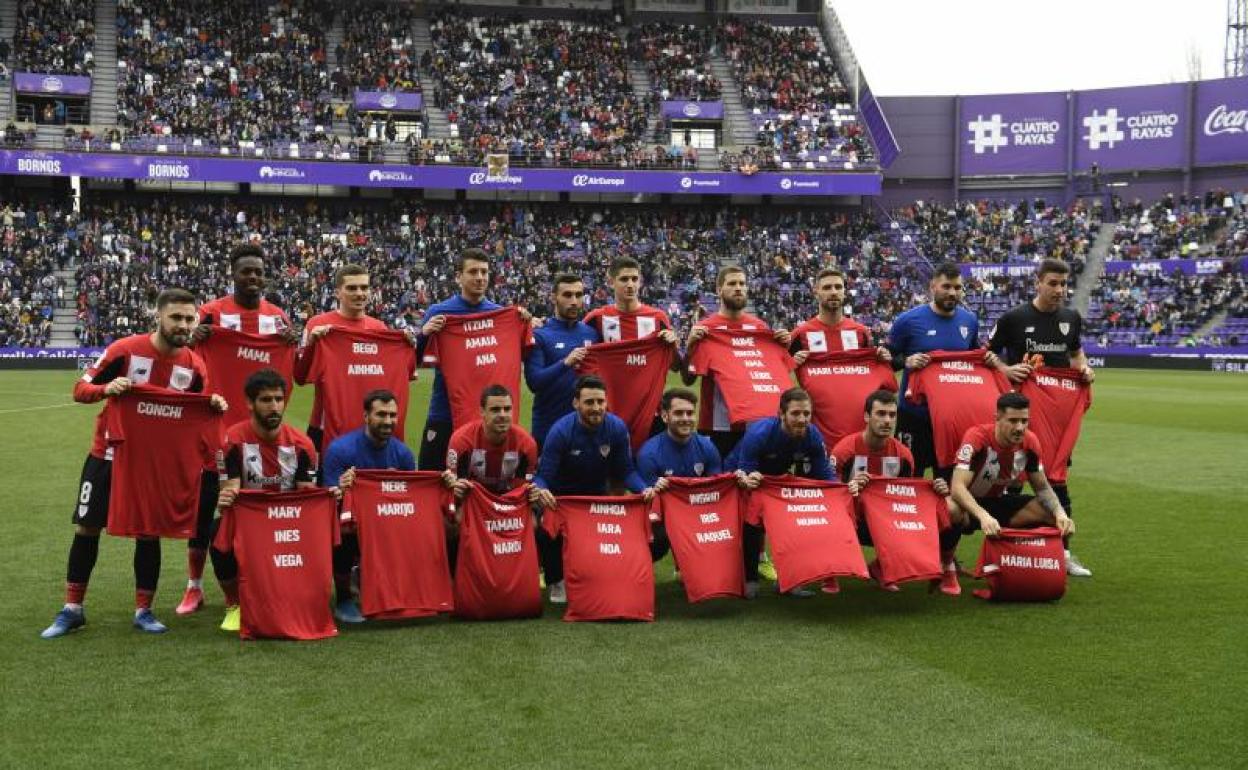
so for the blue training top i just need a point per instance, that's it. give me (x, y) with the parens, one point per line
(766, 448)
(922, 330)
(357, 450)
(439, 402)
(578, 461)
(549, 378)
(662, 455)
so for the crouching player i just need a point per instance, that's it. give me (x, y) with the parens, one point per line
(992, 457)
(877, 453)
(261, 453)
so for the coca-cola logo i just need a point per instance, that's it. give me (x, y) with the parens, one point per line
(1222, 120)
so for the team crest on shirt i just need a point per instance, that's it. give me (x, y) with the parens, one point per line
(1064, 328)
(817, 342)
(966, 331)
(180, 378)
(697, 468)
(604, 449)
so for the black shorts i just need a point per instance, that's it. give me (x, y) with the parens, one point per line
(209, 487)
(433, 445)
(1001, 508)
(91, 509)
(915, 431)
(316, 434)
(725, 441)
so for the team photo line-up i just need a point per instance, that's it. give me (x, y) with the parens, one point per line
(345, 523)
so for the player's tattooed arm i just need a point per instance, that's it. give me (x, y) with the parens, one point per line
(1048, 500)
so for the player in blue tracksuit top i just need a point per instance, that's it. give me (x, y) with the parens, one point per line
(772, 447)
(678, 451)
(559, 346)
(584, 452)
(372, 446)
(472, 273)
(941, 324)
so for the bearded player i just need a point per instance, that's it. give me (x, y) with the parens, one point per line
(261, 453)
(160, 359)
(993, 457)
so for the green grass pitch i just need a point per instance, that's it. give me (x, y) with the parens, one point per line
(1144, 665)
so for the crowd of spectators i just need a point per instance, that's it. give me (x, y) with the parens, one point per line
(377, 52)
(55, 36)
(125, 248)
(1153, 308)
(800, 103)
(226, 72)
(35, 240)
(1166, 230)
(548, 91)
(1183, 226)
(995, 231)
(784, 69)
(239, 76)
(677, 58)
(14, 137)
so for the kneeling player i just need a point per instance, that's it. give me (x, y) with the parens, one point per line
(775, 446)
(995, 455)
(493, 451)
(679, 452)
(261, 453)
(876, 452)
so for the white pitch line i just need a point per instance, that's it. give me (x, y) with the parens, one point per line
(11, 393)
(36, 408)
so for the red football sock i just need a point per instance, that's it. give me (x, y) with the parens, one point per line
(143, 599)
(75, 593)
(195, 558)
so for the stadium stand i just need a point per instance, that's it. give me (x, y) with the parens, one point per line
(994, 231)
(1147, 309)
(677, 60)
(124, 248)
(377, 52)
(543, 92)
(1167, 229)
(227, 74)
(35, 241)
(56, 36)
(800, 105)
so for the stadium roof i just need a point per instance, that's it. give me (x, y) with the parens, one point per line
(920, 48)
